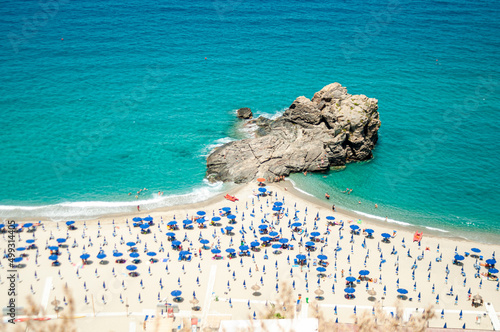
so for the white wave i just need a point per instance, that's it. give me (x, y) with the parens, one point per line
(272, 116)
(436, 229)
(219, 142)
(93, 209)
(381, 218)
(298, 189)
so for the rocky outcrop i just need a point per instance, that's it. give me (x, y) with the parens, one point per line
(244, 113)
(331, 129)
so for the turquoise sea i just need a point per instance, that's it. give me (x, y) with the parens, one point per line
(101, 98)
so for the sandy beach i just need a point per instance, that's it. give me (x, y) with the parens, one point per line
(400, 271)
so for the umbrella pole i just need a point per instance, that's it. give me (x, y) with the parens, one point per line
(126, 306)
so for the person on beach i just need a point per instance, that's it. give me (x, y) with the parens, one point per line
(333, 208)
(138, 208)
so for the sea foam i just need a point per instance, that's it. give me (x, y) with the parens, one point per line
(93, 209)
(383, 219)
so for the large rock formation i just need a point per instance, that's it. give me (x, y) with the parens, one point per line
(331, 129)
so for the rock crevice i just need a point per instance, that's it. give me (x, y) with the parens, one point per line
(331, 129)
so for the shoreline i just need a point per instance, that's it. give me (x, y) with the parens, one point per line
(291, 187)
(396, 226)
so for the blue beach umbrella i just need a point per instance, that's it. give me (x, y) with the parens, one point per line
(30, 241)
(369, 231)
(296, 224)
(117, 254)
(475, 250)
(320, 269)
(176, 293)
(101, 256)
(187, 222)
(310, 244)
(459, 257)
(144, 226)
(69, 223)
(204, 241)
(137, 219)
(262, 190)
(354, 227)
(85, 256)
(276, 246)
(226, 209)
(231, 216)
(201, 213)
(229, 228)
(315, 234)
(130, 244)
(385, 235)
(176, 243)
(491, 261)
(172, 223)
(151, 253)
(350, 279)
(255, 244)
(216, 219)
(322, 257)
(134, 254)
(402, 291)
(170, 234)
(364, 272)
(131, 267)
(215, 251)
(60, 240)
(244, 248)
(230, 250)
(283, 241)
(53, 257)
(148, 219)
(349, 290)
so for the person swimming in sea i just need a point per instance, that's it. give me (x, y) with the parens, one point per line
(327, 196)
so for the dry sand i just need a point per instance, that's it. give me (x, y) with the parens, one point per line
(210, 281)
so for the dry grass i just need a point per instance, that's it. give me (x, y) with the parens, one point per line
(378, 320)
(64, 323)
(283, 307)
